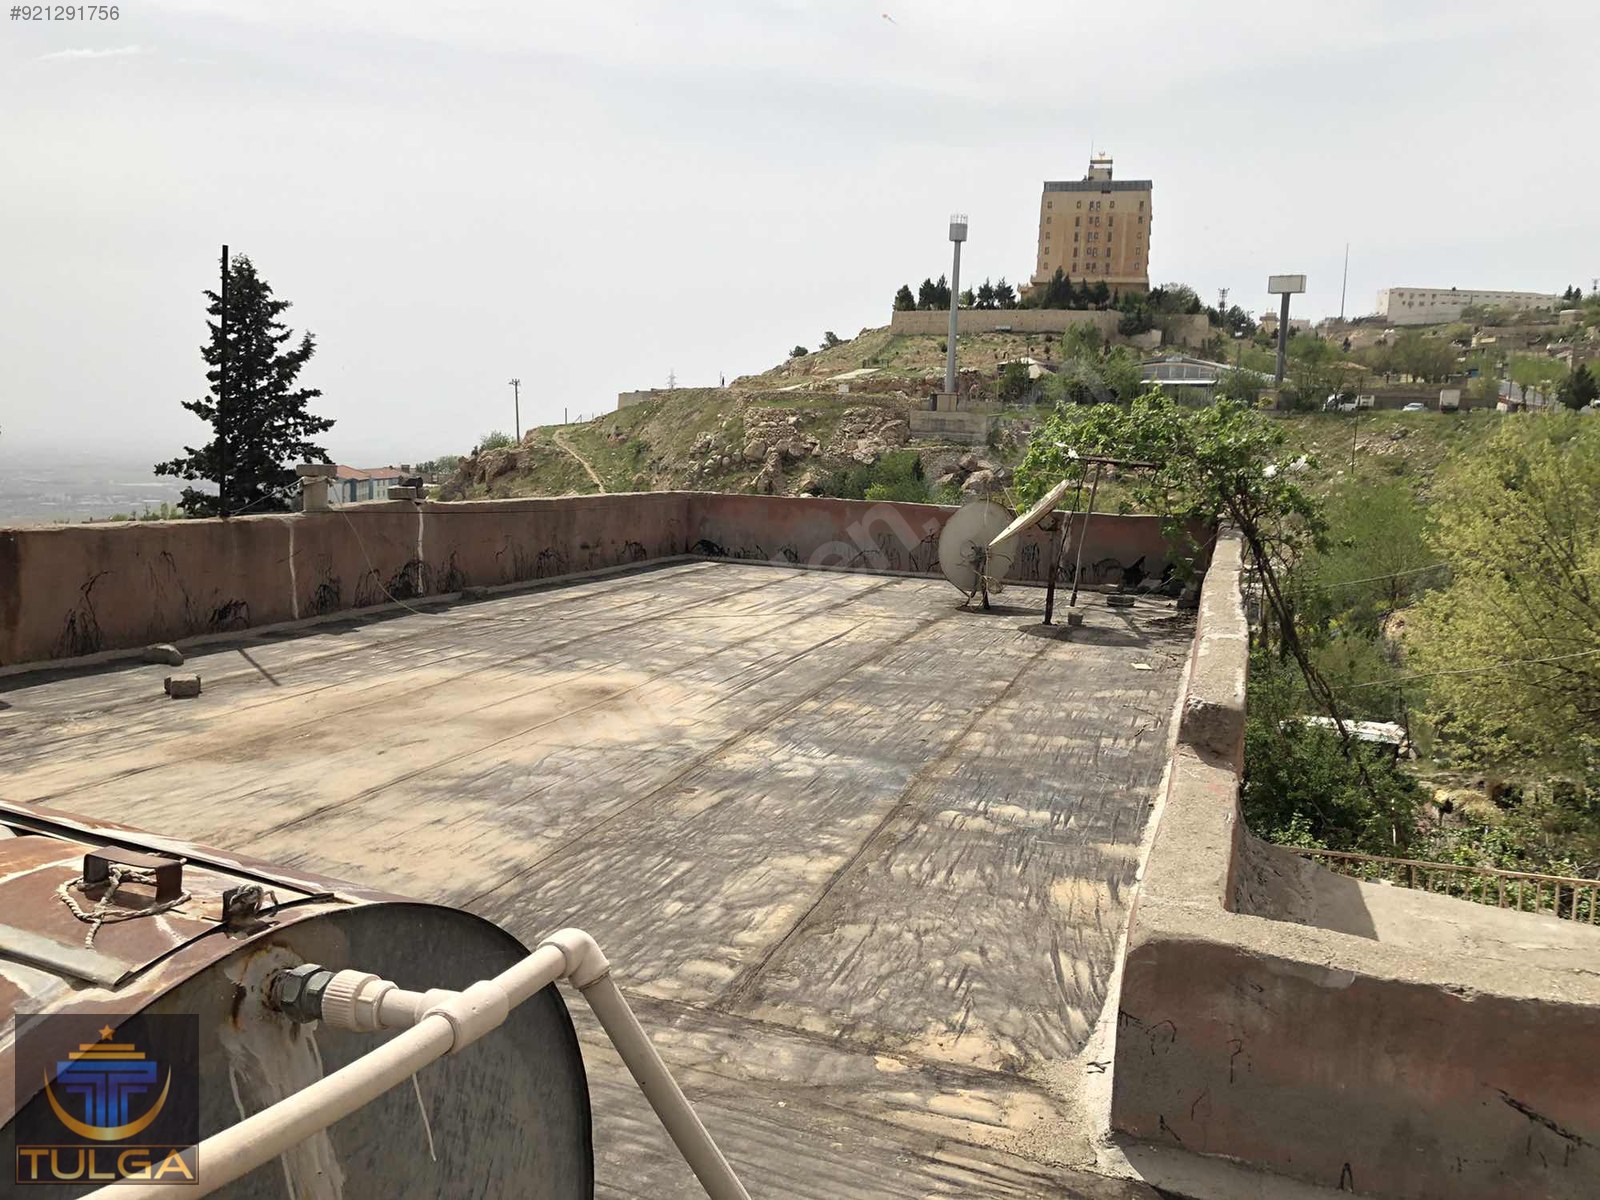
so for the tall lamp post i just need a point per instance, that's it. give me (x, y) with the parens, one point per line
(516, 407)
(1285, 286)
(958, 234)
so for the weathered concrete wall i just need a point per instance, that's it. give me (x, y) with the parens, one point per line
(968, 428)
(872, 535)
(1178, 330)
(81, 589)
(67, 591)
(1424, 1048)
(990, 320)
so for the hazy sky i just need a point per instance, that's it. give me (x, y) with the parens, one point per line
(589, 195)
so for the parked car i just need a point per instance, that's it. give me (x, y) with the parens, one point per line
(1415, 406)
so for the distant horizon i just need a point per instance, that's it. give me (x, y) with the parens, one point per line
(589, 198)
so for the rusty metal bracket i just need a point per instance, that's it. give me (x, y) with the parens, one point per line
(168, 872)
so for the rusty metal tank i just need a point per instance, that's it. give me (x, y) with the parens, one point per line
(507, 1117)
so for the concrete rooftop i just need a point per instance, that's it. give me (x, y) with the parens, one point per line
(862, 859)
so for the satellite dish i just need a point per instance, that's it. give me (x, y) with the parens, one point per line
(1046, 506)
(966, 555)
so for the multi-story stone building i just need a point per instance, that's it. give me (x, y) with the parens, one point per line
(1429, 306)
(1096, 229)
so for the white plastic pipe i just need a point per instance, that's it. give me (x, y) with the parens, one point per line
(436, 1023)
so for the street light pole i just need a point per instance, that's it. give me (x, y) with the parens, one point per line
(1285, 286)
(516, 406)
(958, 234)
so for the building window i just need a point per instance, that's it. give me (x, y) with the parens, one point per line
(1080, 203)
(1049, 203)
(1113, 204)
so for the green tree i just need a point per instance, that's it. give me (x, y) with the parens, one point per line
(798, 352)
(1081, 341)
(1512, 646)
(263, 424)
(1100, 294)
(1123, 374)
(1222, 462)
(1005, 295)
(1302, 787)
(1136, 316)
(495, 439)
(927, 295)
(1579, 389)
(986, 295)
(941, 294)
(904, 301)
(1243, 387)
(830, 339)
(1536, 373)
(1484, 391)
(1057, 291)
(1174, 298)
(1013, 383)
(968, 300)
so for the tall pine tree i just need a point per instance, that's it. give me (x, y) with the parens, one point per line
(263, 427)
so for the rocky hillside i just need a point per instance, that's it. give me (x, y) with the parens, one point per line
(792, 430)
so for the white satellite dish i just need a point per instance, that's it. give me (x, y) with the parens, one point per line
(970, 555)
(1046, 506)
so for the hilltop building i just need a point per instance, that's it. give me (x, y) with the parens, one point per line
(1096, 229)
(1429, 306)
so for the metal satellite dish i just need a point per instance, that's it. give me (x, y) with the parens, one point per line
(971, 554)
(1046, 506)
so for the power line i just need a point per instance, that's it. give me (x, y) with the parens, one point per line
(1375, 578)
(1491, 669)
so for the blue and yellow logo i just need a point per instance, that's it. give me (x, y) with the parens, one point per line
(120, 1107)
(109, 1077)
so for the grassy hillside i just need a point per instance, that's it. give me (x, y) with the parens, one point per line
(1387, 445)
(698, 437)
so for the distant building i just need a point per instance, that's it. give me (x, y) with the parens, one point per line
(1268, 321)
(1096, 229)
(1184, 377)
(351, 485)
(1429, 306)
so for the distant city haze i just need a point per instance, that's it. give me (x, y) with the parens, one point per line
(589, 197)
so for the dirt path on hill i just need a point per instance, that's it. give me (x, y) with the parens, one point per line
(582, 461)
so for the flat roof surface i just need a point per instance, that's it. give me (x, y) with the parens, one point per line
(862, 859)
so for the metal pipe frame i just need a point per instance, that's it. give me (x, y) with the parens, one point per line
(433, 1024)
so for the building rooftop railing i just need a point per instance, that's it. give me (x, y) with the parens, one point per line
(1563, 896)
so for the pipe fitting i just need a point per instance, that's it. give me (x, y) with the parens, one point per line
(586, 962)
(351, 1001)
(297, 992)
(482, 1007)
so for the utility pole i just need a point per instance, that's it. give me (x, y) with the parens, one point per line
(1345, 280)
(516, 407)
(958, 234)
(222, 391)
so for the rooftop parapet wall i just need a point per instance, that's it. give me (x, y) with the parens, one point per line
(75, 590)
(1425, 1047)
